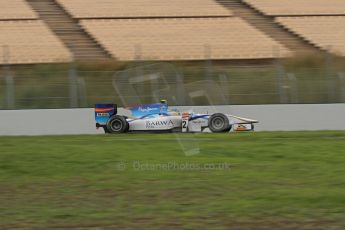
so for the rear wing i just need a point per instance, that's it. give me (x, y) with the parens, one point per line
(103, 112)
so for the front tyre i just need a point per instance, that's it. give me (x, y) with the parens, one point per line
(219, 123)
(117, 124)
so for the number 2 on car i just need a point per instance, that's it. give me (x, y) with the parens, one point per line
(185, 119)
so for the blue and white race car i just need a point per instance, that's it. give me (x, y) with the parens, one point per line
(158, 118)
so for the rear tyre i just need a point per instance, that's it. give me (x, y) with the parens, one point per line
(105, 129)
(117, 124)
(219, 123)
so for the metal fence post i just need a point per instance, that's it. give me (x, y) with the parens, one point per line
(341, 77)
(10, 98)
(180, 90)
(9, 80)
(73, 86)
(208, 63)
(330, 80)
(280, 77)
(224, 84)
(293, 87)
(82, 93)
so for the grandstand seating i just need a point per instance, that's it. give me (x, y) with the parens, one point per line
(298, 7)
(143, 8)
(166, 30)
(183, 39)
(30, 41)
(16, 9)
(326, 32)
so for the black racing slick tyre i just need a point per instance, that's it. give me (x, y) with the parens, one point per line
(117, 124)
(105, 129)
(219, 123)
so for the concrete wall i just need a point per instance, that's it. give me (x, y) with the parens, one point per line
(271, 118)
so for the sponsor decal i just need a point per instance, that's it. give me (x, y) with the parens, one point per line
(185, 115)
(199, 116)
(241, 127)
(103, 114)
(147, 109)
(198, 121)
(101, 110)
(159, 124)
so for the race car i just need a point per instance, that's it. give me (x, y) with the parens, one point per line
(159, 118)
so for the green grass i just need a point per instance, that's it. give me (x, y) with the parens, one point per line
(280, 180)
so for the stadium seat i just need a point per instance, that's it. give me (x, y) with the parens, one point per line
(16, 9)
(326, 32)
(182, 39)
(143, 8)
(30, 41)
(298, 7)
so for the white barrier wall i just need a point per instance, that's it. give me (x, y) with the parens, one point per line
(271, 118)
(288, 117)
(47, 122)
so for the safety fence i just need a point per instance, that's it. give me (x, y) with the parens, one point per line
(199, 83)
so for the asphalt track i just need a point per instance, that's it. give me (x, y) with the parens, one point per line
(300, 117)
